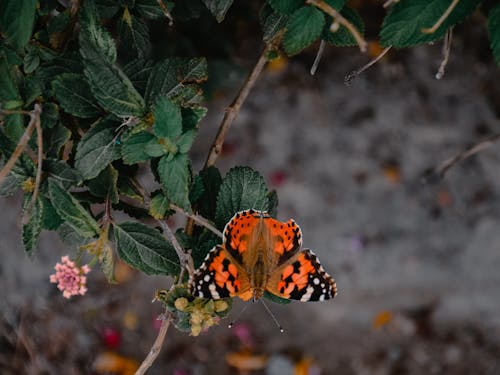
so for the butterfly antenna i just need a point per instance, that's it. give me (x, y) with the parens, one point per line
(231, 324)
(272, 316)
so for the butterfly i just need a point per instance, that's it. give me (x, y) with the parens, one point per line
(259, 254)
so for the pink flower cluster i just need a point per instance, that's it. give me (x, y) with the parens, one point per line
(70, 278)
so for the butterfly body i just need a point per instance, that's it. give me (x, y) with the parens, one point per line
(261, 254)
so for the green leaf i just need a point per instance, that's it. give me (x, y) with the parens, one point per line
(127, 188)
(494, 31)
(168, 119)
(134, 147)
(9, 92)
(286, 7)
(342, 37)
(105, 184)
(154, 149)
(108, 263)
(212, 181)
(274, 298)
(174, 176)
(159, 205)
(191, 117)
(70, 236)
(218, 8)
(10, 184)
(186, 141)
(31, 59)
(197, 189)
(32, 229)
(134, 35)
(69, 209)
(62, 172)
(169, 77)
(303, 28)
(242, 189)
(73, 93)
(31, 89)
(402, 27)
(97, 149)
(271, 22)
(145, 249)
(150, 9)
(16, 21)
(138, 72)
(54, 139)
(113, 90)
(96, 43)
(273, 203)
(50, 219)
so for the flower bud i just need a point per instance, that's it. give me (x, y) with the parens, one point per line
(220, 306)
(181, 303)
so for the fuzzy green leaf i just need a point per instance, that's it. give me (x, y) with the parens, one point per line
(145, 249)
(9, 93)
(150, 9)
(96, 43)
(97, 149)
(342, 37)
(107, 263)
(168, 119)
(50, 219)
(159, 205)
(271, 22)
(186, 141)
(242, 189)
(134, 35)
(274, 298)
(218, 8)
(191, 117)
(105, 184)
(138, 72)
(303, 28)
(212, 181)
(31, 59)
(134, 147)
(169, 77)
(113, 90)
(16, 21)
(62, 172)
(73, 213)
(494, 31)
(70, 236)
(174, 176)
(403, 24)
(73, 93)
(32, 229)
(55, 139)
(286, 7)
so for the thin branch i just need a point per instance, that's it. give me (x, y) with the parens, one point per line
(39, 141)
(337, 17)
(388, 3)
(35, 116)
(315, 64)
(166, 12)
(351, 76)
(441, 170)
(432, 30)
(185, 259)
(155, 349)
(197, 219)
(446, 53)
(233, 110)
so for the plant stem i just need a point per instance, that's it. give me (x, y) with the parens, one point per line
(234, 108)
(35, 117)
(155, 349)
(441, 19)
(441, 170)
(197, 219)
(185, 259)
(337, 17)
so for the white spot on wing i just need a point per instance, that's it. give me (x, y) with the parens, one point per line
(307, 296)
(213, 291)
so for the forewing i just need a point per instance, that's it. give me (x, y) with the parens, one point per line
(302, 278)
(238, 231)
(220, 276)
(286, 238)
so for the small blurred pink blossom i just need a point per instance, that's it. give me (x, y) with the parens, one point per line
(70, 278)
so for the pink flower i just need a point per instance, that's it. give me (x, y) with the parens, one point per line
(70, 278)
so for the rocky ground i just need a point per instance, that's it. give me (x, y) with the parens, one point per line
(416, 261)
